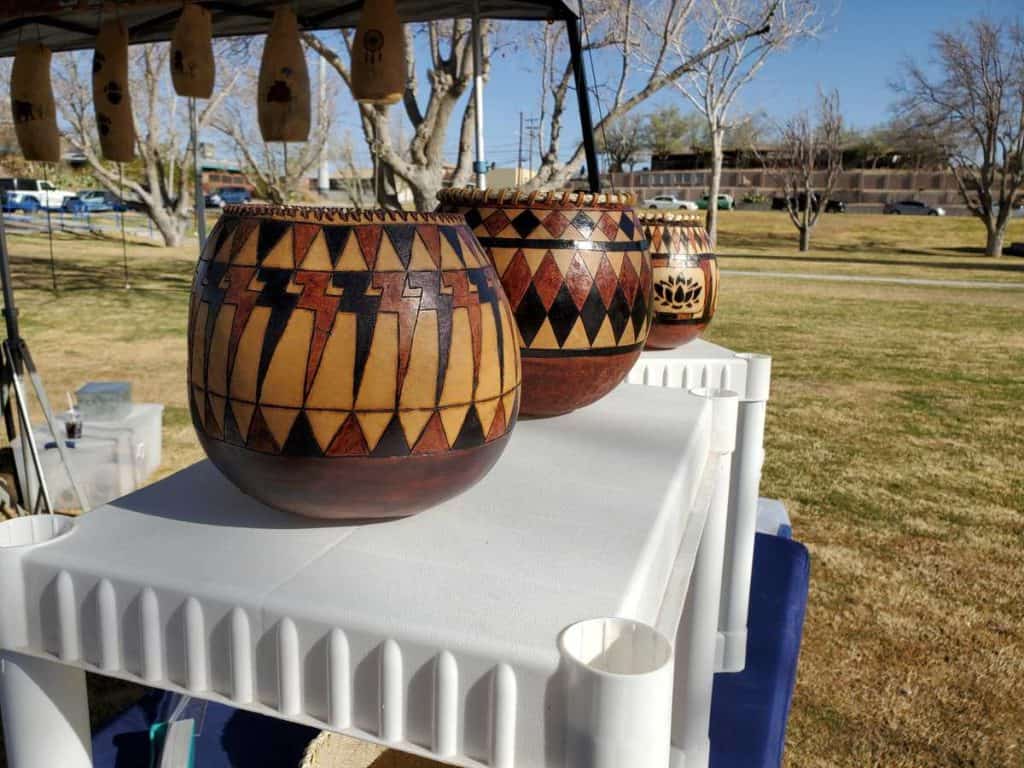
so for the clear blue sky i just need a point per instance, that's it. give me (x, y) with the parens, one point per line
(859, 53)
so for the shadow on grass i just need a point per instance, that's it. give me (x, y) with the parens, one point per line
(973, 266)
(150, 276)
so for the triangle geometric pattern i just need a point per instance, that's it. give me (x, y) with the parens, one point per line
(316, 332)
(577, 276)
(685, 275)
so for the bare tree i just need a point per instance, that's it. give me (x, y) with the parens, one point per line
(161, 178)
(716, 80)
(647, 46)
(807, 163)
(278, 172)
(356, 183)
(975, 108)
(622, 142)
(450, 76)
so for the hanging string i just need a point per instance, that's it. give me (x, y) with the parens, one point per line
(124, 237)
(284, 179)
(594, 87)
(49, 225)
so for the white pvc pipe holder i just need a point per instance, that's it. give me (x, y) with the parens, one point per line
(724, 413)
(45, 713)
(759, 376)
(16, 537)
(620, 677)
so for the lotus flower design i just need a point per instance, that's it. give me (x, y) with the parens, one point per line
(679, 292)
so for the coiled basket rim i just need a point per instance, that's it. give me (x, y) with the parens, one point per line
(471, 196)
(323, 214)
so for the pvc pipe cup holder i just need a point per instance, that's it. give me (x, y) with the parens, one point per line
(619, 674)
(759, 374)
(33, 529)
(724, 413)
(16, 536)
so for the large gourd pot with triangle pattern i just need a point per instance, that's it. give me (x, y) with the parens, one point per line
(576, 272)
(350, 364)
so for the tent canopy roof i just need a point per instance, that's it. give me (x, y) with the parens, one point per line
(66, 25)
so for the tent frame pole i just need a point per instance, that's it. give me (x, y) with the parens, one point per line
(572, 27)
(197, 173)
(480, 164)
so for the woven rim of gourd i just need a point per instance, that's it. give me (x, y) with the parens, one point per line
(327, 214)
(512, 196)
(670, 219)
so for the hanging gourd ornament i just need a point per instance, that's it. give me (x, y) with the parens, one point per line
(32, 107)
(110, 95)
(192, 67)
(283, 93)
(378, 54)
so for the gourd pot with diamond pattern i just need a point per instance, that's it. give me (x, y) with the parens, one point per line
(685, 278)
(577, 275)
(350, 364)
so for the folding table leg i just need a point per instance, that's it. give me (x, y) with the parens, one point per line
(697, 635)
(45, 713)
(744, 489)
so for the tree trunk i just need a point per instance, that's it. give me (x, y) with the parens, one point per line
(716, 181)
(805, 238)
(994, 240)
(171, 227)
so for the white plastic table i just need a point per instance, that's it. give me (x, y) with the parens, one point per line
(703, 364)
(562, 612)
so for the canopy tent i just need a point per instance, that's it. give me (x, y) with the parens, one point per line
(67, 25)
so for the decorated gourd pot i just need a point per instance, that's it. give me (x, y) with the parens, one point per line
(578, 277)
(685, 278)
(350, 364)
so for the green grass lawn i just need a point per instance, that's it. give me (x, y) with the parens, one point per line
(895, 436)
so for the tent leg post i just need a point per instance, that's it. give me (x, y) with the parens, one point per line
(572, 27)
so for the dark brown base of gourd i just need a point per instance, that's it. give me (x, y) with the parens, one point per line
(353, 487)
(553, 386)
(669, 336)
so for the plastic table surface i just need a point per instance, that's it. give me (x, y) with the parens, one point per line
(436, 633)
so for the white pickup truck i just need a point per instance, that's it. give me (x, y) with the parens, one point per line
(32, 194)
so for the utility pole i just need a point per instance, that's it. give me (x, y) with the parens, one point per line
(533, 131)
(519, 153)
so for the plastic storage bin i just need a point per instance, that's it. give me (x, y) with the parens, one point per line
(111, 459)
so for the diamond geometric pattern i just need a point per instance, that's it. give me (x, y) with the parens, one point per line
(548, 293)
(577, 280)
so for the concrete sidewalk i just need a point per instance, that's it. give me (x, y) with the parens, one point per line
(918, 281)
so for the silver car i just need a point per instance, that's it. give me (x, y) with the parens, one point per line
(912, 208)
(669, 203)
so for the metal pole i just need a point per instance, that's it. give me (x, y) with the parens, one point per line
(197, 172)
(572, 27)
(480, 166)
(323, 182)
(10, 313)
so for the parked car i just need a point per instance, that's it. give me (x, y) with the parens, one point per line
(800, 203)
(670, 203)
(912, 208)
(94, 201)
(234, 195)
(213, 200)
(725, 202)
(31, 194)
